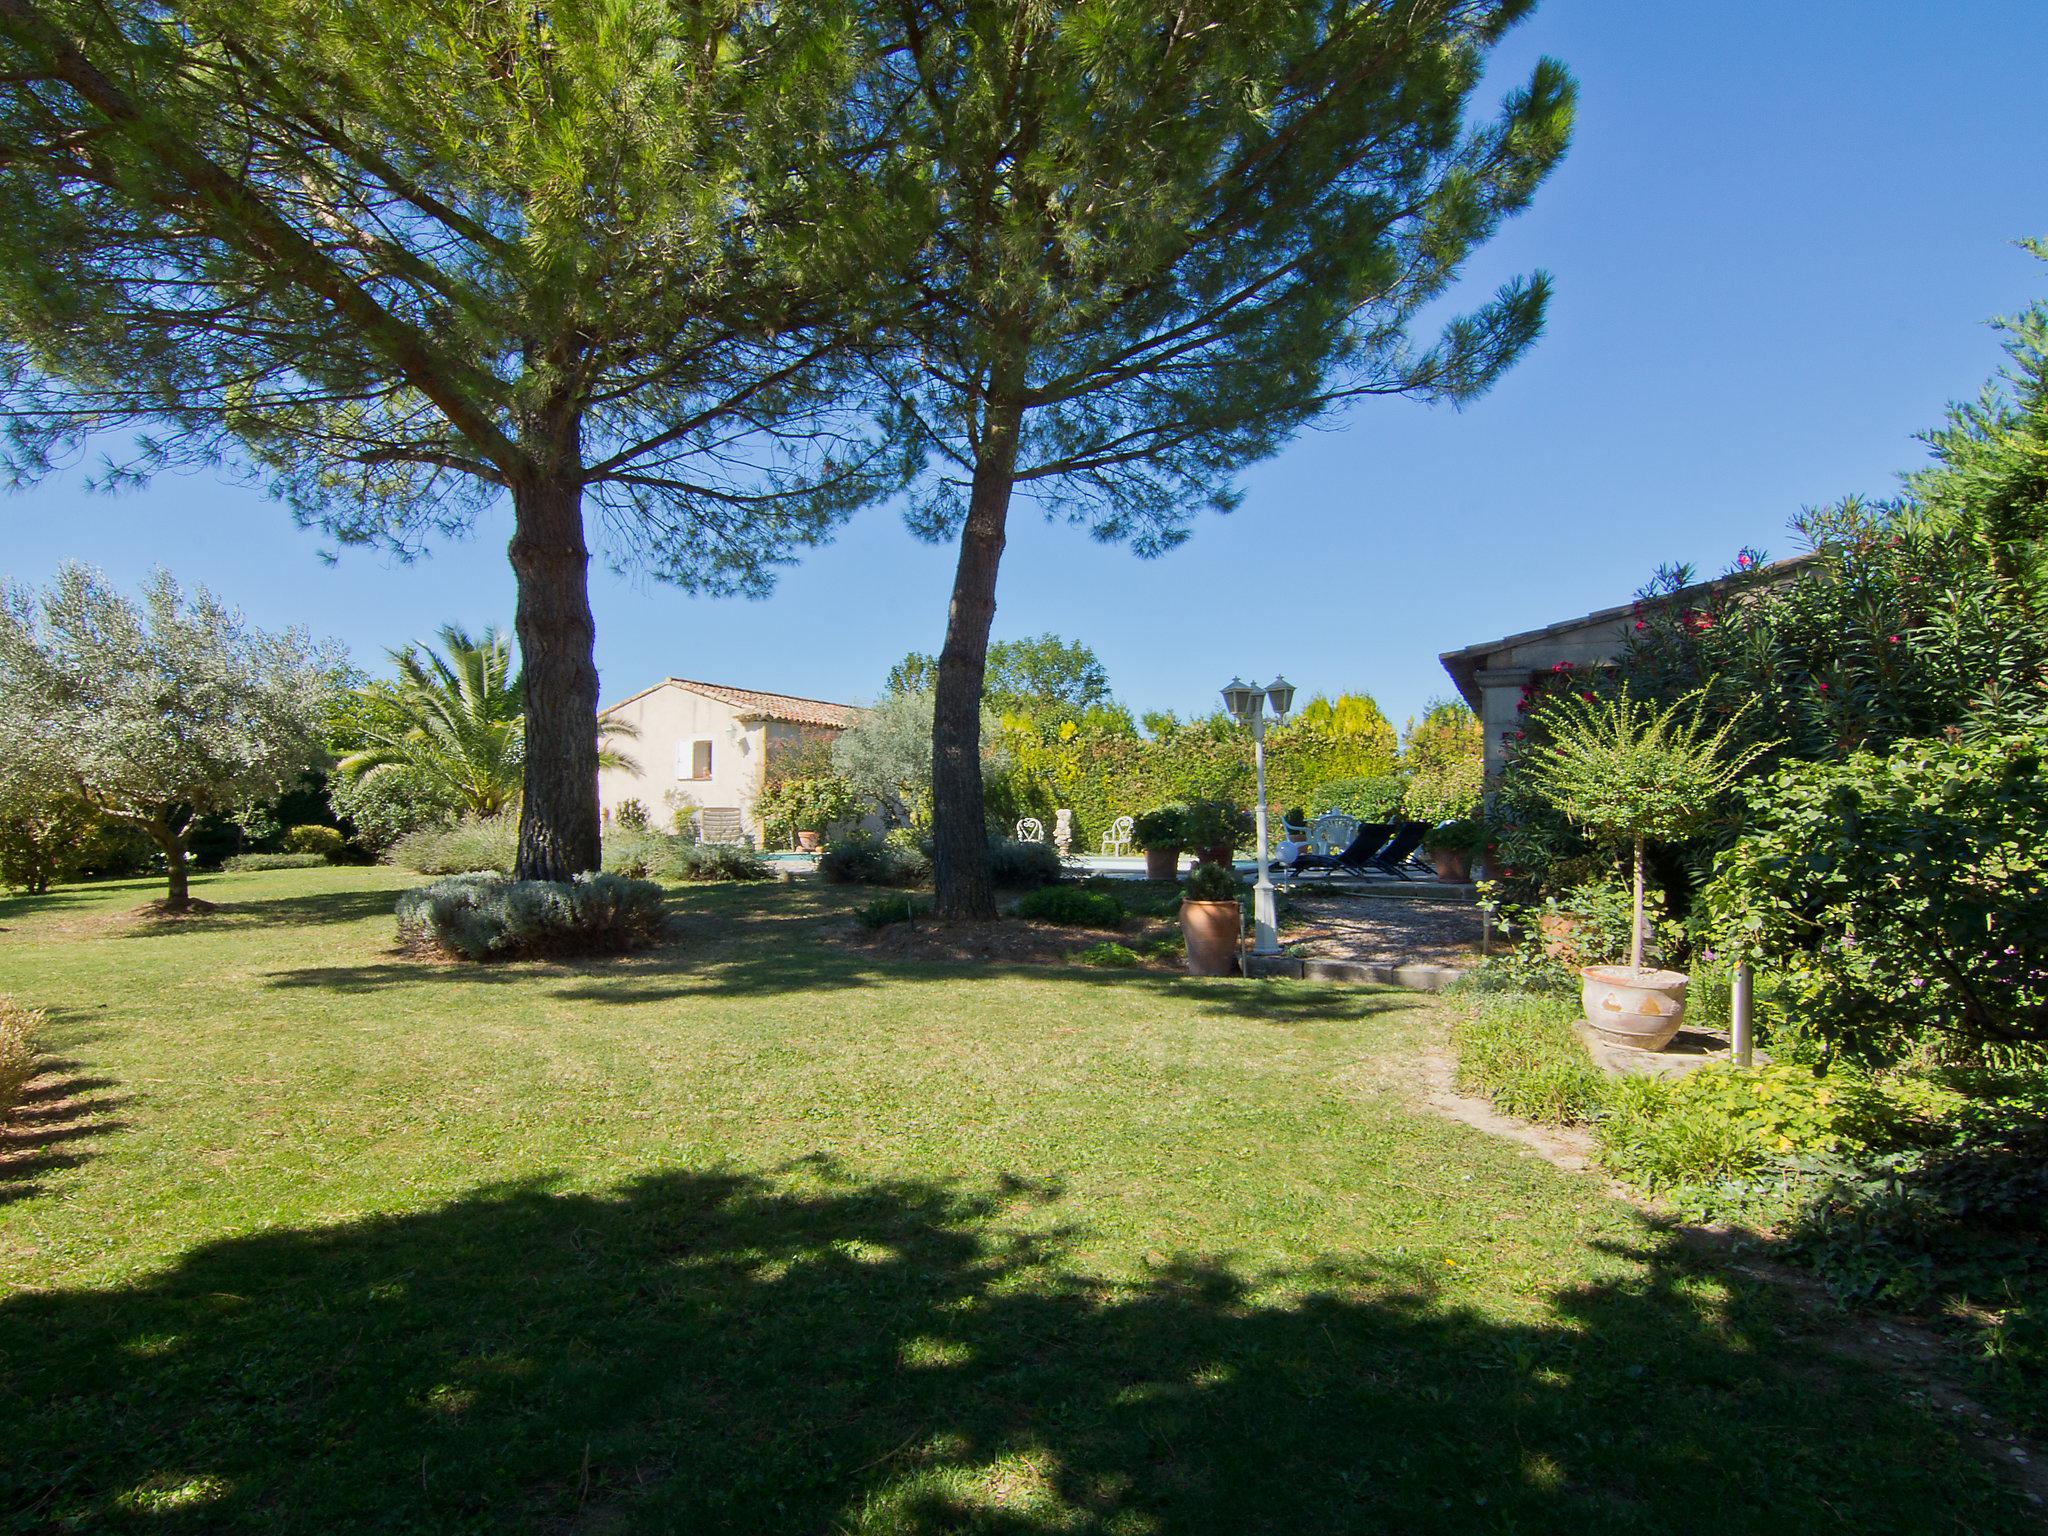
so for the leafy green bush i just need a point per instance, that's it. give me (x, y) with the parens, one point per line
(1164, 828)
(487, 917)
(1902, 899)
(884, 910)
(1214, 825)
(244, 863)
(42, 830)
(1072, 906)
(1110, 955)
(311, 838)
(1465, 836)
(804, 803)
(385, 803)
(860, 858)
(1212, 882)
(1521, 1052)
(18, 1028)
(682, 859)
(632, 815)
(1022, 865)
(474, 844)
(1373, 798)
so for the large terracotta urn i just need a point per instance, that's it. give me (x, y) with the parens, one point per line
(1211, 930)
(1162, 863)
(1639, 1008)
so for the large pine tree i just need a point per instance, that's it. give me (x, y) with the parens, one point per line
(1160, 237)
(406, 260)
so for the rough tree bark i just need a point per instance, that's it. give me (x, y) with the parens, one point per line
(959, 837)
(558, 819)
(177, 867)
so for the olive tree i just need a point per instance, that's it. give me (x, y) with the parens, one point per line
(160, 711)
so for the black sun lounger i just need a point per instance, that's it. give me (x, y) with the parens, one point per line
(1393, 858)
(1355, 859)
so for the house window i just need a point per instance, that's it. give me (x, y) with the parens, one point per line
(700, 758)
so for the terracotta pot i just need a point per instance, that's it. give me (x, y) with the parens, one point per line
(1225, 855)
(1162, 863)
(1630, 1007)
(810, 842)
(1211, 930)
(1453, 865)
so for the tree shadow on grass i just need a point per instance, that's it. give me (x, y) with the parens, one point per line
(317, 909)
(703, 1352)
(62, 1111)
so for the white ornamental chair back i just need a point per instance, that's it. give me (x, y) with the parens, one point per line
(1116, 842)
(1030, 830)
(1331, 832)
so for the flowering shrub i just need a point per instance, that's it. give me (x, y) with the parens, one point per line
(1902, 899)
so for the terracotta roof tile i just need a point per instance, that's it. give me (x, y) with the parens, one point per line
(775, 706)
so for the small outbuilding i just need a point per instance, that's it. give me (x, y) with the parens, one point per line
(1491, 675)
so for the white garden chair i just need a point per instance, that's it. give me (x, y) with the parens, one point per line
(1030, 830)
(1331, 832)
(1116, 842)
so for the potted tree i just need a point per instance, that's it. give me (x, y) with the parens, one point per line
(1213, 828)
(1162, 833)
(1211, 921)
(806, 806)
(1630, 774)
(1453, 846)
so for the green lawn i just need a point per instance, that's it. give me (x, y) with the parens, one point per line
(754, 1234)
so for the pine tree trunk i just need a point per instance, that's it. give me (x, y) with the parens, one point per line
(959, 834)
(1635, 938)
(558, 820)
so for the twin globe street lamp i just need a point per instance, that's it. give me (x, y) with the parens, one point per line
(1247, 703)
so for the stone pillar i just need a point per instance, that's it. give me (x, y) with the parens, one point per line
(1063, 832)
(1500, 692)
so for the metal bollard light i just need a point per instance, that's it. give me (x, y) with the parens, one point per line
(1741, 1016)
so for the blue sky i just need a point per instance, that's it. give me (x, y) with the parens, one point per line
(1776, 241)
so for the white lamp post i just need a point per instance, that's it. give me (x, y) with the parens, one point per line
(1248, 705)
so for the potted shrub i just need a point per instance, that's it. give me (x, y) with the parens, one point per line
(1162, 833)
(1630, 773)
(1213, 828)
(1211, 921)
(1453, 846)
(806, 806)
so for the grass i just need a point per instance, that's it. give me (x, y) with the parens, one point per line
(1519, 1050)
(753, 1233)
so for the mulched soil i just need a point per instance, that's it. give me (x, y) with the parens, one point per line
(1386, 929)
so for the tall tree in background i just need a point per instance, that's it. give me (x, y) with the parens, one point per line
(401, 260)
(1159, 239)
(452, 720)
(1042, 676)
(161, 712)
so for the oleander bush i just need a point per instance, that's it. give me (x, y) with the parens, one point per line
(18, 1029)
(472, 844)
(244, 863)
(1072, 907)
(483, 916)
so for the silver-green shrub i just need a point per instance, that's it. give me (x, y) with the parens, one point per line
(484, 916)
(472, 844)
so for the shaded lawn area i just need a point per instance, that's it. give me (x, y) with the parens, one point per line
(758, 1234)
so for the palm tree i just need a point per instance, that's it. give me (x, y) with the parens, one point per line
(454, 718)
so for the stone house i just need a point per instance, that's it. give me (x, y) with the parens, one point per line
(702, 748)
(1492, 674)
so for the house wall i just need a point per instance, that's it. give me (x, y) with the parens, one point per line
(670, 719)
(1503, 673)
